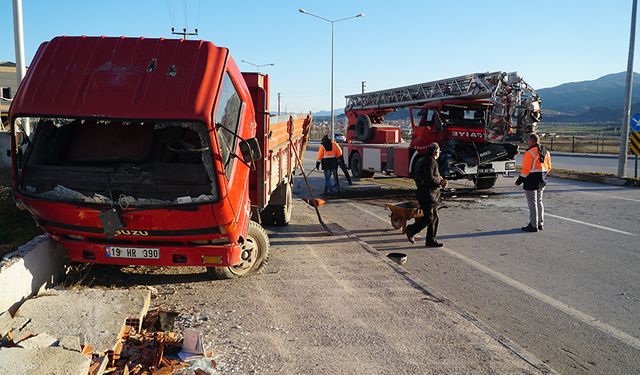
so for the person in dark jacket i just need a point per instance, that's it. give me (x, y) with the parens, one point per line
(428, 183)
(328, 156)
(536, 164)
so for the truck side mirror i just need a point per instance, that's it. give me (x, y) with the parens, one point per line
(250, 149)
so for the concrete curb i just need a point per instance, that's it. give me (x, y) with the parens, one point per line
(35, 266)
(435, 296)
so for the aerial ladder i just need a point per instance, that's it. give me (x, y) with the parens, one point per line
(515, 108)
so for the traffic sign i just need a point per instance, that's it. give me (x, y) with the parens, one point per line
(635, 122)
(634, 143)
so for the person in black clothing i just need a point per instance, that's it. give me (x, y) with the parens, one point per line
(342, 166)
(429, 182)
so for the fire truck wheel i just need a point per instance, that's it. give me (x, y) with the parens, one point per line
(484, 182)
(255, 254)
(364, 131)
(355, 163)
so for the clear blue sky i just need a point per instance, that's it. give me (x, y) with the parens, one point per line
(397, 42)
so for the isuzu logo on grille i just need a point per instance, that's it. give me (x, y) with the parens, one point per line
(125, 232)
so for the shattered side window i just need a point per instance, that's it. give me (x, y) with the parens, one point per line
(227, 117)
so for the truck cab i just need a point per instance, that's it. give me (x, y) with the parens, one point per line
(139, 151)
(462, 129)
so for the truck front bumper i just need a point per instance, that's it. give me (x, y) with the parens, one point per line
(169, 255)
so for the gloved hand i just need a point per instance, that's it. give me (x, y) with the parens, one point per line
(520, 180)
(317, 165)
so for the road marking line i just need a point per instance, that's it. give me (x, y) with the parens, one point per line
(571, 311)
(583, 317)
(591, 225)
(592, 193)
(385, 219)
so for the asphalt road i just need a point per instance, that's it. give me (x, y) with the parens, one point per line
(570, 295)
(589, 164)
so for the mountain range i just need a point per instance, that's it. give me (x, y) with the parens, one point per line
(598, 100)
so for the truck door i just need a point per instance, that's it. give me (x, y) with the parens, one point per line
(230, 111)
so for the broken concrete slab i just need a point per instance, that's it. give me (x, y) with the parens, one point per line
(42, 340)
(50, 360)
(71, 343)
(35, 266)
(96, 315)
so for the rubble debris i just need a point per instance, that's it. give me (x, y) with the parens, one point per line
(192, 345)
(62, 192)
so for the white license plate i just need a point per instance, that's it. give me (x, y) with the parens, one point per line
(132, 252)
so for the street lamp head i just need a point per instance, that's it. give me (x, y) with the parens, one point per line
(302, 11)
(360, 15)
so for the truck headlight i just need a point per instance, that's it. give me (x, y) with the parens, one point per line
(510, 165)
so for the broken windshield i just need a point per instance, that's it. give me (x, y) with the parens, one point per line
(129, 163)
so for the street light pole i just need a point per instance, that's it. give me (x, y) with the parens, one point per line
(257, 66)
(332, 128)
(332, 22)
(18, 35)
(624, 129)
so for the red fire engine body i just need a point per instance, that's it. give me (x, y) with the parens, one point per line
(148, 152)
(478, 120)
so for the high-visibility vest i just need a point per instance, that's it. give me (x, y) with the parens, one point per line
(335, 152)
(531, 162)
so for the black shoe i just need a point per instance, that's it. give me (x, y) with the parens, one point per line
(529, 228)
(540, 227)
(410, 238)
(434, 243)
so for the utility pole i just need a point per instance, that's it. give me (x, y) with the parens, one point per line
(363, 84)
(279, 97)
(184, 33)
(18, 35)
(624, 129)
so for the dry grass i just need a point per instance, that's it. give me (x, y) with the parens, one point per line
(16, 227)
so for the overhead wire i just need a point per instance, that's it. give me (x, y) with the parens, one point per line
(170, 6)
(186, 15)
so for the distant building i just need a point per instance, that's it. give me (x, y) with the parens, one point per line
(8, 87)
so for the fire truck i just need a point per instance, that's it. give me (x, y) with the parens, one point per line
(477, 119)
(153, 152)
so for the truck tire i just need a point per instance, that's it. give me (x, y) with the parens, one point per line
(364, 131)
(282, 212)
(355, 163)
(255, 255)
(486, 181)
(279, 214)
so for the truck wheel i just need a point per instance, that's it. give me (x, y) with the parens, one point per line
(255, 254)
(282, 212)
(484, 182)
(279, 214)
(355, 163)
(364, 131)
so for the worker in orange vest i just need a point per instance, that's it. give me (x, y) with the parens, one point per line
(328, 155)
(536, 165)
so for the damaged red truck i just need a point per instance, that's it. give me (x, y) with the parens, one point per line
(136, 151)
